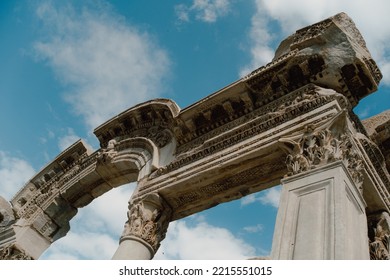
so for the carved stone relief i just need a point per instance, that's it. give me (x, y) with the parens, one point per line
(11, 252)
(379, 233)
(160, 136)
(162, 146)
(322, 146)
(7, 216)
(148, 220)
(271, 115)
(107, 155)
(378, 129)
(149, 119)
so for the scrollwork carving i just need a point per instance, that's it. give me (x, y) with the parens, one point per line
(379, 226)
(311, 32)
(160, 136)
(11, 252)
(148, 220)
(6, 214)
(317, 148)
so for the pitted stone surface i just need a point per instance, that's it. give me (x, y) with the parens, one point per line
(378, 128)
(221, 148)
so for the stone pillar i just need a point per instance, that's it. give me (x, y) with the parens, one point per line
(322, 211)
(379, 234)
(12, 241)
(148, 220)
(321, 216)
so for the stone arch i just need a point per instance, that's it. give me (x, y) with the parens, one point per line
(133, 145)
(45, 206)
(129, 159)
(226, 146)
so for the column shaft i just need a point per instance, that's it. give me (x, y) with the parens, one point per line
(321, 216)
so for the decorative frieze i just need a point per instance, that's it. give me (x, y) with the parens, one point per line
(264, 119)
(311, 32)
(147, 119)
(160, 136)
(223, 187)
(48, 183)
(221, 148)
(229, 154)
(375, 72)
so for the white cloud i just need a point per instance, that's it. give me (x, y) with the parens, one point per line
(202, 241)
(254, 229)
(106, 64)
(65, 141)
(268, 197)
(110, 209)
(260, 40)
(86, 245)
(182, 13)
(14, 173)
(271, 197)
(204, 10)
(249, 199)
(295, 14)
(385, 69)
(371, 18)
(109, 66)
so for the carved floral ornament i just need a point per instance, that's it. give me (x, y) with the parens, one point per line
(148, 220)
(380, 241)
(7, 216)
(11, 252)
(318, 147)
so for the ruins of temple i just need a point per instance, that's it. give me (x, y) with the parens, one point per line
(290, 122)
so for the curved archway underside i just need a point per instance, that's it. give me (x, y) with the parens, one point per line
(292, 116)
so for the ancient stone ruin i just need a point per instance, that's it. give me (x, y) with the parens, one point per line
(289, 122)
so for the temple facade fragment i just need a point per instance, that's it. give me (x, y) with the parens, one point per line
(290, 122)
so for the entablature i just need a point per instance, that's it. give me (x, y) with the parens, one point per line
(331, 54)
(243, 158)
(227, 145)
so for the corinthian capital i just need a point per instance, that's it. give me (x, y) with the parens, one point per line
(379, 229)
(12, 252)
(148, 221)
(325, 144)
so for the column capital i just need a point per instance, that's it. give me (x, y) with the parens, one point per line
(12, 252)
(148, 220)
(379, 234)
(329, 143)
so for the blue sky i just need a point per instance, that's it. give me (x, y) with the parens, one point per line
(67, 66)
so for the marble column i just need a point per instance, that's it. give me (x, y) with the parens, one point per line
(148, 220)
(379, 234)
